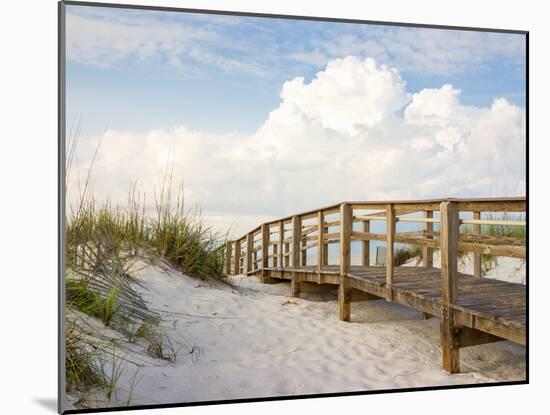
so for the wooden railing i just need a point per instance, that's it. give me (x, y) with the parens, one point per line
(293, 236)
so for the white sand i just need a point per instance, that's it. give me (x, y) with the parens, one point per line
(253, 341)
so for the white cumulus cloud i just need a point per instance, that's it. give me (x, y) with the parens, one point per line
(352, 133)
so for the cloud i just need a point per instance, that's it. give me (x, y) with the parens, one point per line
(352, 133)
(421, 50)
(264, 47)
(347, 93)
(105, 40)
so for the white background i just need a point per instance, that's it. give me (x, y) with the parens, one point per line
(28, 203)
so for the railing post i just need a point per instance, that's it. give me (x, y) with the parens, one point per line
(449, 229)
(237, 257)
(281, 243)
(365, 246)
(265, 251)
(249, 247)
(344, 292)
(477, 257)
(390, 236)
(228, 248)
(427, 252)
(296, 242)
(320, 244)
(303, 254)
(325, 249)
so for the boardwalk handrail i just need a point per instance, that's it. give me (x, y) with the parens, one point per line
(308, 230)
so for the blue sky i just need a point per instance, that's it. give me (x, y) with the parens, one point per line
(137, 94)
(263, 117)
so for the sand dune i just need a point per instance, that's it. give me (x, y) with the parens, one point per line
(250, 340)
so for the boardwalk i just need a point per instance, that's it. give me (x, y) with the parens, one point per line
(473, 310)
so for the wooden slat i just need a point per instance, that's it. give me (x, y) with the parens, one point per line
(295, 249)
(228, 248)
(281, 244)
(237, 257)
(428, 252)
(320, 245)
(449, 270)
(390, 235)
(365, 246)
(477, 256)
(344, 291)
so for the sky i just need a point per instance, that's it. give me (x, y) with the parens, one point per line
(261, 118)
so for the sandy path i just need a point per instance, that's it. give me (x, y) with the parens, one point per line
(253, 341)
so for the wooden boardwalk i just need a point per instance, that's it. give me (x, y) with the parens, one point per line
(473, 310)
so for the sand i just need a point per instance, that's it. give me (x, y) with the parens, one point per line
(251, 340)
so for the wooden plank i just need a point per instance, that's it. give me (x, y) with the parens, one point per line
(344, 292)
(427, 252)
(295, 249)
(331, 235)
(320, 245)
(281, 244)
(390, 235)
(477, 256)
(228, 247)
(237, 263)
(497, 250)
(492, 206)
(249, 248)
(449, 269)
(368, 236)
(492, 222)
(365, 246)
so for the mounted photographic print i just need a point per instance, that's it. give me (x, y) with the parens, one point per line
(262, 206)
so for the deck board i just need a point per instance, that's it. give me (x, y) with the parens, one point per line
(499, 305)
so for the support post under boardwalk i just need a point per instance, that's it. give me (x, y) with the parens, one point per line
(365, 246)
(390, 236)
(249, 248)
(477, 257)
(449, 229)
(344, 292)
(296, 240)
(427, 252)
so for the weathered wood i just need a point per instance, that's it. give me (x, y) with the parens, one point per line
(281, 243)
(249, 249)
(320, 246)
(237, 265)
(275, 255)
(359, 295)
(477, 257)
(493, 222)
(287, 255)
(228, 248)
(390, 235)
(449, 270)
(427, 252)
(365, 246)
(296, 239)
(368, 236)
(344, 292)
(466, 337)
